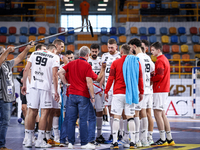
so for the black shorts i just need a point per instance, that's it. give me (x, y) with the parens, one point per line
(23, 98)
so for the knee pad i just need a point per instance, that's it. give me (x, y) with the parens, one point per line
(130, 119)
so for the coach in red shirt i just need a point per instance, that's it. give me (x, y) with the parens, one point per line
(79, 76)
(161, 86)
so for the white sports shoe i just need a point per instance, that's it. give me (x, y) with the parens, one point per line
(126, 143)
(24, 141)
(138, 144)
(70, 146)
(150, 141)
(28, 143)
(88, 146)
(145, 143)
(42, 144)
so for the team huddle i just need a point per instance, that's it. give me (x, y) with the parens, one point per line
(132, 85)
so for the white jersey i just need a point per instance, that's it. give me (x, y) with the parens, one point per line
(152, 68)
(43, 62)
(59, 83)
(147, 68)
(108, 58)
(96, 66)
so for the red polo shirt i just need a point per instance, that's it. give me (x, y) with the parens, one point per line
(76, 73)
(116, 74)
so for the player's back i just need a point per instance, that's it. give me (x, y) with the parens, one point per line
(41, 70)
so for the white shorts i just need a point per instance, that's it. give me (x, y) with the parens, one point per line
(39, 98)
(56, 105)
(110, 97)
(99, 102)
(149, 101)
(119, 104)
(159, 100)
(27, 99)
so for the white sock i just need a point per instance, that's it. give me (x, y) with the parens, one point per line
(150, 133)
(137, 128)
(111, 126)
(48, 134)
(126, 135)
(40, 135)
(121, 127)
(140, 134)
(144, 128)
(169, 135)
(26, 134)
(131, 125)
(29, 134)
(162, 135)
(55, 128)
(115, 129)
(99, 126)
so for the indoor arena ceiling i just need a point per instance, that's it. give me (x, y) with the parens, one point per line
(93, 7)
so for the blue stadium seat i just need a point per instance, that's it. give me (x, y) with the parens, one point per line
(195, 39)
(52, 39)
(11, 39)
(152, 5)
(70, 39)
(104, 39)
(181, 30)
(3, 30)
(52, 30)
(71, 32)
(143, 30)
(183, 12)
(163, 30)
(113, 30)
(135, 37)
(114, 37)
(22, 39)
(174, 39)
(168, 56)
(62, 37)
(23, 30)
(152, 30)
(163, 6)
(103, 30)
(183, 39)
(143, 37)
(122, 30)
(182, 5)
(152, 39)
(32, 30)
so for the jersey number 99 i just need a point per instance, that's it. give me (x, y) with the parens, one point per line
(41, 61)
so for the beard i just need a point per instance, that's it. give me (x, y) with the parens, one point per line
(94, 56)
(134, 52)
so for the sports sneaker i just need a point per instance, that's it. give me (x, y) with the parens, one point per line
(100, 139)
(170, 142)
(4, 148)
(62, 145)
(42, 144)
(53, 143)
(24, 141)
(70, 146)
(145, 144)
(119, 137)
(132, 145)
(88, 146)
(125, 143)
(95, 143)
(138, 144)
(160, 143)
(28, 143)
(111, 137)
(114, 146)
(150, 141)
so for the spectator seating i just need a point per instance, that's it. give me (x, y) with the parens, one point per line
(152, 30)
(174, 39)
(144, 37)
(22, 39)
(10, 56)
(177, 69)
(61, 29)
(52, 39)
(12, 30)
(104, 30)
(152, 5)
(185, 56)
(19, 69)
(52, 30)
(70, 39)
(152, 39)
(122, 39)
(70, 28)
(23, 30)
(174, 4)
(32, 49)
(11, 39)
(114, 37)
(168, 56)
(195, 39)
(3, 46)
(188, 69)
(181, 30)
(104, 39)
(166, 48)
(142, 30)
(172, 30)
(113, 30)
(171, 69)
(134, 37)
(184, 48)
(2, 39)
(163, 31)
(3, 30)
(31, 37)
(62, 37)
(134, 30)
(183, 39)
(40, 37)
(196, 48)
(41, 30)
(175, 48)
(144, 4)
(84, 44)
(165, 39)
(32, 30)
(193, 30)
(71, 47)
(197, 56)
(21, 49)
(122, 30)
(153, 58)
(104, 48)
(176, 56)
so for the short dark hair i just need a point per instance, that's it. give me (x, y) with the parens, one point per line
(69, 52)
(142, 48)
(157, 45)
(135, 41)
(94, 46)
(112, 41)
(51, 46)
(126, 48)
(58, 41)
(39, 46)
(146, 43)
